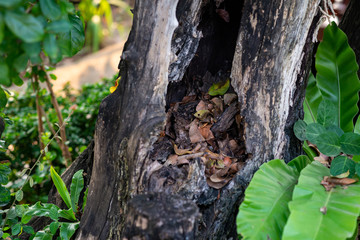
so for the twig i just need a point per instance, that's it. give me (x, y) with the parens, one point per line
(40, 122)
(63, 146)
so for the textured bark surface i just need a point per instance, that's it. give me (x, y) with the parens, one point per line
(179, 48)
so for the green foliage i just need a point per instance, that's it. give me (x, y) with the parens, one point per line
(47, 26)
(60, 186)
(274, 182)
(337, 77)
(17, 217)
(312, 100)
(324, 202)
(329, 214)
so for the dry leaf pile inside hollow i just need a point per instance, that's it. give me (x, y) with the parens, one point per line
(208, 128)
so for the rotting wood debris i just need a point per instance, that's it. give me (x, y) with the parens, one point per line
(205, 127)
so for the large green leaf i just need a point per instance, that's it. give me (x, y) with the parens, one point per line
(350, 143)
(61, 187)
(4, 173)
(357, 126)
(327, 113)
(25, 26)
(77, 185)
(299, 163)
(50, 9)
(319, 214)
(68, 229)
(4, 196)
(328, 143)
(9, 3)
(41, 235)
(43, 210)
(342, 164)
(300, 130)
(264, 211)
(72, 41)
(312, 100)
(337, 75)
(313, 130)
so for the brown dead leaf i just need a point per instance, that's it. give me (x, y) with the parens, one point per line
(188, 99)
(194, 132)
(330, 182)
(227, 161)
(206, 132)
(323, 160)
(223, 14)
(212, 155)
(229, 98)
(171, 160)
(181, 151)
(219, 104)
(201, 106)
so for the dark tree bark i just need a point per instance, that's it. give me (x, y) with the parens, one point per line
(178, 48)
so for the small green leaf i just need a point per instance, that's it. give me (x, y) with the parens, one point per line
(313, 130)
(50, 46)
(31, 182)
(328, 143)
(54, 226)
(3, 101)
(25, 219)
(61, 187)
(350, 143)
(342, 164)
(326, 113)
(4, 196)
(19, 195)
(21, 62)
(68, 229)
(300, 130)
(53, 77)
(41, 209)
(33, 50)
(299, 163)
(77, 185)
(28, 229)
(25, 26)
(219, 88)
(335, 129)
(4, 76)
(59, 26)
(50, 9)
(15, 230)
(4, 173)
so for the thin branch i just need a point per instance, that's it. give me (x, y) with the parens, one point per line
(38, 110)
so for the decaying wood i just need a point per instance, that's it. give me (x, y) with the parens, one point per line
(266, 49)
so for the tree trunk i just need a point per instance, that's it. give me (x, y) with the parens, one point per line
(179, 48)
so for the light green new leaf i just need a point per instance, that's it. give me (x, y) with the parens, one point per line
(19, 195)
(316, 214)
(68, 229)
(327, 113)
(312, 100)
(25, 26)
(350, 143)
(342, 164)
(77, 185)
(61, 187)
(50, 9)
(328, 143)
(219, 88)
(336, 77)
(299, 163)
(300, 130)
(264, 211)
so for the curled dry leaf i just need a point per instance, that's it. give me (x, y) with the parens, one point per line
(181, 151)
(201, 106)
(219, 104)
(330, 182)
(206, 132)
(194, 132)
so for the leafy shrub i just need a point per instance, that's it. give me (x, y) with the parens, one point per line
(21, 136)
(315, 196)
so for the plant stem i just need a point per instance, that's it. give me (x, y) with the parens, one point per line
(64, 148)
(39, 114)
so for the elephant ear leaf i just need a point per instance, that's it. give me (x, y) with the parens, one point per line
(264, 212)
(313, 209)
(312, 100)
(336, 77)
